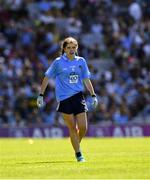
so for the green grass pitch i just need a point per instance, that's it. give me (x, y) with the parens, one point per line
(106, 158)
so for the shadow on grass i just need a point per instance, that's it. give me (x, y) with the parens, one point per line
(46, 162)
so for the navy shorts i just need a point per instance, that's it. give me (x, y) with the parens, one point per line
(73, 105)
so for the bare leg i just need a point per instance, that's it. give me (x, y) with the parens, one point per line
(71, 124)
(82, 124)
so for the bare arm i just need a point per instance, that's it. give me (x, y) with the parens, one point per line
(89, 86)
(44, 85)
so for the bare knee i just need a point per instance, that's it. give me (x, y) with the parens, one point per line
(69, 120)
(82, 129)
(72, 128)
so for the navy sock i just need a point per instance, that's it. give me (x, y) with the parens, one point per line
(78, 154)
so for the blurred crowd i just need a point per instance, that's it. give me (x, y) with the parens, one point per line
(116, 33)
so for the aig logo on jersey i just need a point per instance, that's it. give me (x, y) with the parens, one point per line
(73, 78)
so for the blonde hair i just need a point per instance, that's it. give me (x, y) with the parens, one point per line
(66, 42)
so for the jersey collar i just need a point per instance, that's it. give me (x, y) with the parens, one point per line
(64, 56)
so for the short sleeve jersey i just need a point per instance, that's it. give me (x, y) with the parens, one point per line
(69, 75)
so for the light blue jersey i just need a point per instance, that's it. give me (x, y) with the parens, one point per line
(69, 75)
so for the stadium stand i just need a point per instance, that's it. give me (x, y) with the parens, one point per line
(114, 37)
